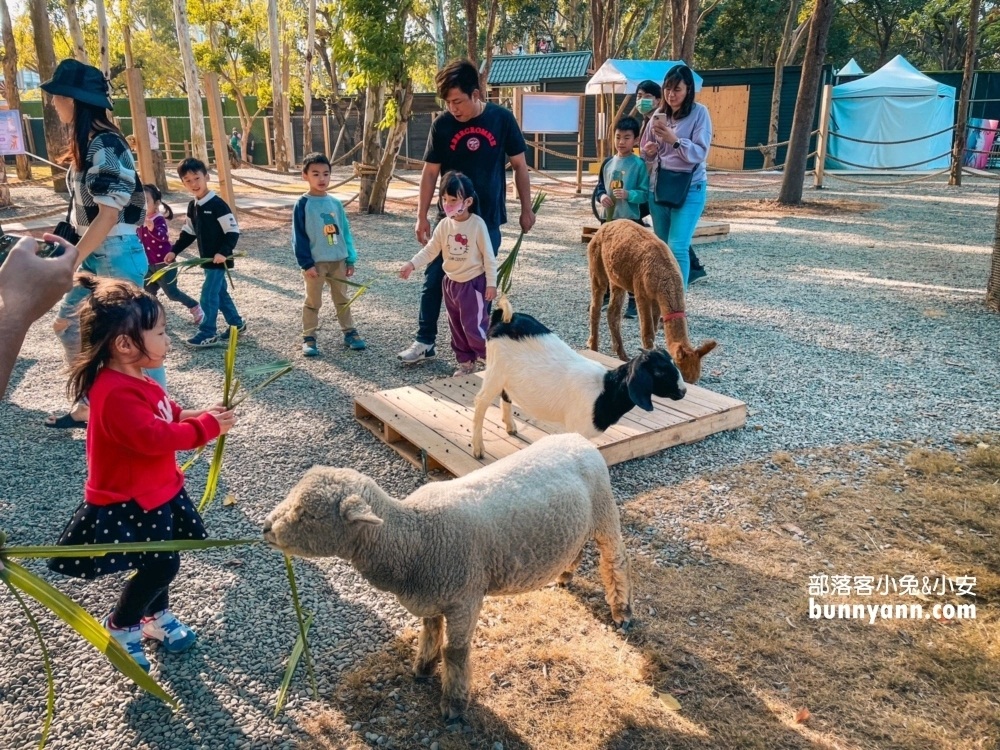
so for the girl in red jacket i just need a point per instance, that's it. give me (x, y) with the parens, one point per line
(134, 490)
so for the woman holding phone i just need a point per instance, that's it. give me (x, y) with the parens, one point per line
(108, 203)
(677, 140)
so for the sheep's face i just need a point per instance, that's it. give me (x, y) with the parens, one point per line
(689, 360)
(653, 373)
(323, 514)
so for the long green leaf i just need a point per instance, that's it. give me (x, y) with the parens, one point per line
(302, 625)
(83, 623)
(184, 265)
(50, 683)
(284, 371)
(99, 550)
(505, 272)
(214, 472)
(268, 369)
(190, 462)
(293, 662)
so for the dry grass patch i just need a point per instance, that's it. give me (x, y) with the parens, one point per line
(766, 207)
(724, 629)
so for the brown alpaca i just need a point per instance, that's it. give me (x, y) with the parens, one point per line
(633, 259)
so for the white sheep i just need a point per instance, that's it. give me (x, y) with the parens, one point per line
(510, 527)
(529, 365)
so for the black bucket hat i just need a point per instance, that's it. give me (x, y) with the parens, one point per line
(80, 81)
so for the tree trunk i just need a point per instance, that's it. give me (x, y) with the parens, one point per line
(10, 79)
(437, 11)
(55, 132)
(662, 35)
(278, 122)
(286, 105)
(958, 146)
(602, 15)
(471, 32)
(785, 53)
(805, 103)
(76, 32)
(102, 37)
(370, 146)
(993, 285)
(490, 23)
(126, 32)
(199, 144)
(404, 101)
(307, 101)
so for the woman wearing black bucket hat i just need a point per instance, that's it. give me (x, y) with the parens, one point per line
(108, 203)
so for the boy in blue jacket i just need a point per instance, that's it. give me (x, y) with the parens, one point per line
(324, 249)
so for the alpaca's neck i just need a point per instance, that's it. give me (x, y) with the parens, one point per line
(675, 331)
(385, 554)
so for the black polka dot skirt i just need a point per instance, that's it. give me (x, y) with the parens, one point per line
(126, 522)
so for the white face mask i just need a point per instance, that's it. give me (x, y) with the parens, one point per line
(455, 209)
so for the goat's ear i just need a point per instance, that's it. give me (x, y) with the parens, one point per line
(706, 347)
(640, 386)
(354, 509)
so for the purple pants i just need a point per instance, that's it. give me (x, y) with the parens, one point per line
(467, 317)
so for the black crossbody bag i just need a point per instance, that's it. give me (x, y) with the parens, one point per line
(672, 187)
(65, 229)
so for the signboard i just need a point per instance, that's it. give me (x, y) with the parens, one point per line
(154, 133)
(11, 133)
(550, 113)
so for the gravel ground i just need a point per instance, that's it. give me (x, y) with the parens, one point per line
(835, 330)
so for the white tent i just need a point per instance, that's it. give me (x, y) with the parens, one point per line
(895, 103)
(622, 76)
(851, 69)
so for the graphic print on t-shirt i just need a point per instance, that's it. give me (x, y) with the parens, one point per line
(472, 137)
(166, 413)
(330, 228)
(458, 245)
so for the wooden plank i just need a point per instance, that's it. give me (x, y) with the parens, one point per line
(399, 415)
(496, 442)
(432, 423)
(464, 392)
(654, 442)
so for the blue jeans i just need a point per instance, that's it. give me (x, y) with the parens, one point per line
(215, 299)
(118, 257)
(676, 226)
(433, 293)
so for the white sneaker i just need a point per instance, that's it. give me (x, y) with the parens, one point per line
(416, 352)
(175, 636)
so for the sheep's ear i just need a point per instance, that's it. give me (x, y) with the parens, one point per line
(354, 509)
(640, 386)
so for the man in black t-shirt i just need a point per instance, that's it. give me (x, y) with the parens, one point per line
(476, 138)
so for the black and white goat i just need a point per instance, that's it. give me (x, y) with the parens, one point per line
(529, 365)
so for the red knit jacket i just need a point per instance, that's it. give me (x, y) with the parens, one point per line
(132, 436)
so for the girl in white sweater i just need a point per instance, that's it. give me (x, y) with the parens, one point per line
(470, 269)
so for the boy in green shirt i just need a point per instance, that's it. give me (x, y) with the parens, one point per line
(623, 184)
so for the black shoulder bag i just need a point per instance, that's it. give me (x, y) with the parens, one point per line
(672, 187)
(65, 229)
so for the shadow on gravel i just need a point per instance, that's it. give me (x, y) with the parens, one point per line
(381, 698)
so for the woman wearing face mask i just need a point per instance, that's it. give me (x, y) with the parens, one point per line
(677, 139)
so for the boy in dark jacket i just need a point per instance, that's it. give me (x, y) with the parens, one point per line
(211, 222)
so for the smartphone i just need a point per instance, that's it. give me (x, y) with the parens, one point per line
(660, 116)
(44, 250)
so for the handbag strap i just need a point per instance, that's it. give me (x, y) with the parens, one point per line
(69, 187)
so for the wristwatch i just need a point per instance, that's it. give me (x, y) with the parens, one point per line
(677, 143)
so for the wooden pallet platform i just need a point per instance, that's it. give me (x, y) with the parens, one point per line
(430, 424)
(706, 231)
